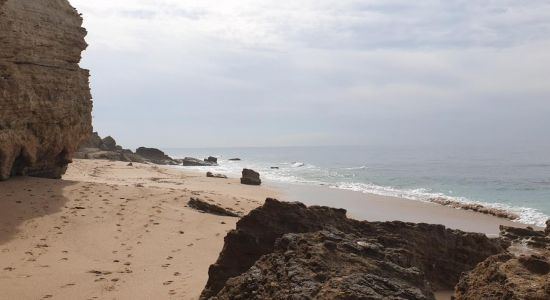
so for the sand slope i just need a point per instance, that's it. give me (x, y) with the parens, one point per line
(112, 231)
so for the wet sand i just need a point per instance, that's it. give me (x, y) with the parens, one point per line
(372, 207)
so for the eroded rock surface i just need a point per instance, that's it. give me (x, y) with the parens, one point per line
(523, 272)
(288, 251)
(45, 100)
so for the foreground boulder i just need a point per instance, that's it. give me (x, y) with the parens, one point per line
(45, 100)
(289, 251)
(250, 177)
(523, 272)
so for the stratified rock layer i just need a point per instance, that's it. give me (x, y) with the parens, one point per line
(288, 251)
(45, 100)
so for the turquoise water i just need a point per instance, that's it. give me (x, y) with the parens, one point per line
(513, 179)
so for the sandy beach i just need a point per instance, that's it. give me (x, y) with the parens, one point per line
(113, 231)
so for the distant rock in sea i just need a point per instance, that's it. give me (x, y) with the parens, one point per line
(289, 251)
(250, 177)
(235, 159)
(195, 162)
(211, 159)
(45, 100)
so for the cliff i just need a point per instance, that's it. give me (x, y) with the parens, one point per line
(45, 100)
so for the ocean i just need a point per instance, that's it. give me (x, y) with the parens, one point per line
(517, 180)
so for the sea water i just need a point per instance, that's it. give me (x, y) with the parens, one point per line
(517, 180)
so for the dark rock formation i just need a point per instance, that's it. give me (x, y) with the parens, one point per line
(211, 159)
(251, 177)
(45, 100)
(235, 159)
(94, 147)
(212, 175)
(155, 156)
(521, 273)
(288, 251)
(109, 144)
(194, 162)
(547, 231)
(206, 207)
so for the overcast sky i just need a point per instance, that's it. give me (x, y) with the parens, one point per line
(179, 73)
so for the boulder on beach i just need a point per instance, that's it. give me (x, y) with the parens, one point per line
(206, 207)
(195, 162)
(547, 231)
(155, 156)
(250, 177)
(212, 175)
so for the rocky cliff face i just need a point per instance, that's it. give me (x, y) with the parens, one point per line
(289, 251)
(45, 100)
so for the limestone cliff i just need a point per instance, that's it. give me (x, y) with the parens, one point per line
(45, 100)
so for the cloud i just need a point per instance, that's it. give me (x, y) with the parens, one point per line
(258, 72)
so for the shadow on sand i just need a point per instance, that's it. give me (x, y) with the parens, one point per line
(24, 198)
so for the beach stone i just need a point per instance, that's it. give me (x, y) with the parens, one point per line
(155, 156)
(45, 100)
(289, 251)
(250, 177)
(212, 175)
(206, 207)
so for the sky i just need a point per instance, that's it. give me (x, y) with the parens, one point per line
(204, 73)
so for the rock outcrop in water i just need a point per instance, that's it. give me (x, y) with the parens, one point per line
(288, 251)
(45, 100)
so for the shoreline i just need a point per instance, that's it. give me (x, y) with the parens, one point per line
(371, 207)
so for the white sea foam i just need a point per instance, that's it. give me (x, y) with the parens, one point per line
(303, 173)
(356, 168)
